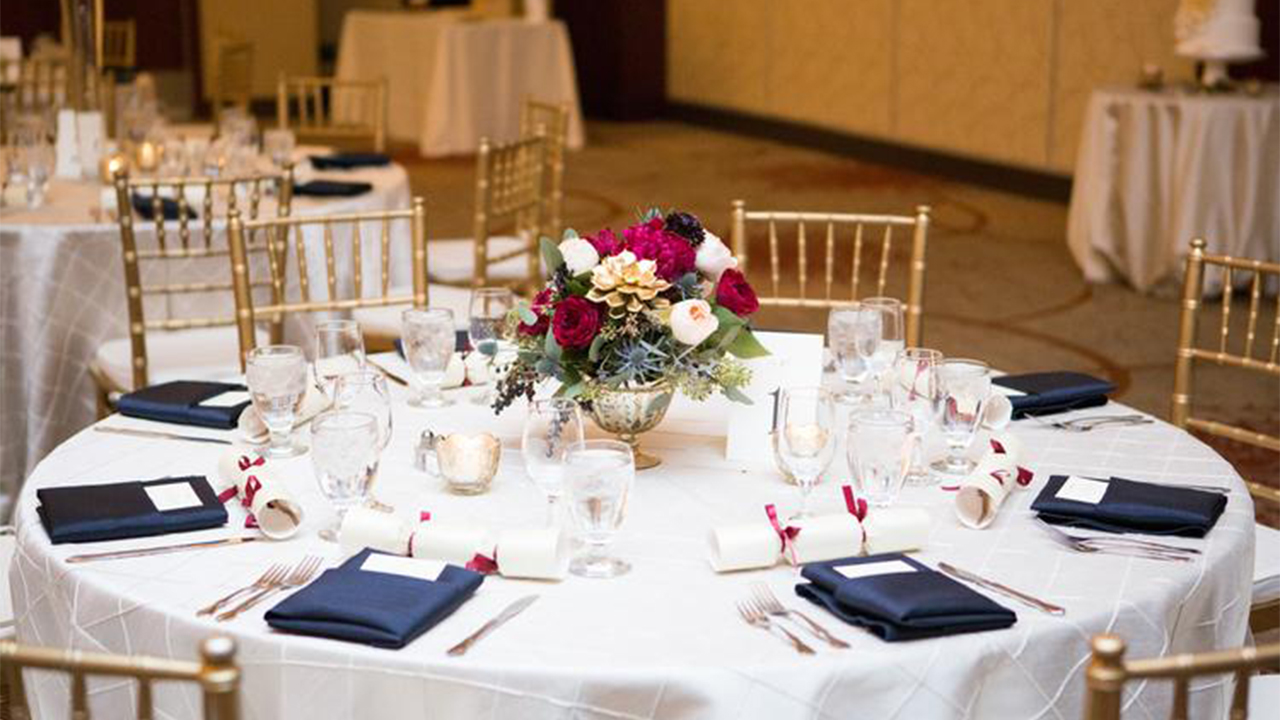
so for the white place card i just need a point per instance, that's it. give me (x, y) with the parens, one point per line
(1082, 490)
(419, 568)
(862, 570)
(795, 360)
(173, 496)
(1006, 391)
(230, 398)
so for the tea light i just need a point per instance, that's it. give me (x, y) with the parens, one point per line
(469, 462)
(806, 440)
(148, 156)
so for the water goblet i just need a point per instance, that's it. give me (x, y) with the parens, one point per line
(892, 337)
(367, 391)
(551, 428)
(339, 350)
(854, 336)
(914, 388)
(598, 477)
(879, 452)
(429, 341)
(343, 443)
(489, 309)
(277, 380)
(278, 144)
(965, 386)
(806, 442)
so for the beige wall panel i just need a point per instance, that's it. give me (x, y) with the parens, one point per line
(719, 53)
(973, 77)
(1106, 42)
(284, 34)
(832, 64)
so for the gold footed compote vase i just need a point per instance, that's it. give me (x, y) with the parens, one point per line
(630, 412)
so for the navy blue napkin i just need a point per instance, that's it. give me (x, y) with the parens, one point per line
(1129, 506)
(331, 188)
(146, 209)
(179, 402)
(347, 161)
(374, 608)
(115, 511)
(903, 605)
(1054, 392)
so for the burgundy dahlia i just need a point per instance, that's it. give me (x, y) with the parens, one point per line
(575, 322)
(673, 254)
(540, 306)
(606, 243)
(734, 293)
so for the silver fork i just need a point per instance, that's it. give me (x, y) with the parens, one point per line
(1085, 545)
(1091, 422)
(273, 574)
(757, 617)
(1100, 541)
(768, 602)
(302, 574)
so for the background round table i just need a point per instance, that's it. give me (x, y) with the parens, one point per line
(62, 296)
(665, 640)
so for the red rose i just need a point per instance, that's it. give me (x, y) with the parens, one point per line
(540, 305)
(575, 322)
(735, 293)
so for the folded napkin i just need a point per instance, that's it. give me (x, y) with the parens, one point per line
(146, 209)
(188, 402)
(1053, 392)
(1122, 506)
(331, 188)
(115, 511)
(347, 161)
(897, 598)
(377, 607)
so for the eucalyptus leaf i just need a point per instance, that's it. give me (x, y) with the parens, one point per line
(746, 346)
(572, 391)
(569, 234)
(593, 353)
(551, 255)
(526, 314)
(553, 349)
(737, 396)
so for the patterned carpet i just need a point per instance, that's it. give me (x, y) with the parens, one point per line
(1001, 284)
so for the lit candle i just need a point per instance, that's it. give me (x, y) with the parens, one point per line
(110, 165)
(469, 462)
(806, 440)
(148, 156)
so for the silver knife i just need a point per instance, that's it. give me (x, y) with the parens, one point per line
(161, 549)
(1023, 598)
(159, 435)
(507, 613)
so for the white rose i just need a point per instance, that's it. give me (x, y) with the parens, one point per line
(580, 255)
(692, 321)
(714, 257)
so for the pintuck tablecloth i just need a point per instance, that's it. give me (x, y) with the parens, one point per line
(62, 295)
(665, 640)
(453, 81)
(1156, 169)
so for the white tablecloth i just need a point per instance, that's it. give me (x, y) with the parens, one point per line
(452, 82)
(1156, 169)
(62, 295)
(665, 640)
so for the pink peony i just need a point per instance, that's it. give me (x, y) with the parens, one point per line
(673, 254)
(606, 243)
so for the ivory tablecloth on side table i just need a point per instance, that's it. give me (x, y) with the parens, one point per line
(1156, 169)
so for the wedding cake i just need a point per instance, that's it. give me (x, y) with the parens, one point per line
(1217, 30)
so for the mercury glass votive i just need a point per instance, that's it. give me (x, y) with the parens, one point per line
(468, 463)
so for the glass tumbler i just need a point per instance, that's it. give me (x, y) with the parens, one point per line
(598, 478)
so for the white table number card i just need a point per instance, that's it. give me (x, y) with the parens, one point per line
(795, 360)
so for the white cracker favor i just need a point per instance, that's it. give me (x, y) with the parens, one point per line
(983, 491)
(272, 509)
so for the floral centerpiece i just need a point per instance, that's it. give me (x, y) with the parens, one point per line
(623, 322)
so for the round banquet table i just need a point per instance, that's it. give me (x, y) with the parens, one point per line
(62, 296)
(665, 640)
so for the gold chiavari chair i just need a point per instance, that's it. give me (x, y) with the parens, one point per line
(331, 109)
(233, 81)
(1108, 671)
(552, 121)
(216, 673)
(290, 233)
(118, 47)
(1249, 355)
(833, 238)
(169, 344)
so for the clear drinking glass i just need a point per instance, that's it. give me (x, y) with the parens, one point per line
(854, 335)
(914, 388)
(965, 387)
(367, 391)
(429, 341)
(343, 443)
(598, 477)
(879, 452)
(277, 380)
(37, 160)
(551, 428)
(489, 308)
(277, 144)
(339, 350)
(806, 441)
(892, 338)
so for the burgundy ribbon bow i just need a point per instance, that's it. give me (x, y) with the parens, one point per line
(484, 564)
(857, 507)
(251, 487)
(1024, 476)
(423, 516)
(785, 534)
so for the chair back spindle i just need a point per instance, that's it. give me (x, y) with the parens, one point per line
(552, 121)
(510, 181)
(329, 109)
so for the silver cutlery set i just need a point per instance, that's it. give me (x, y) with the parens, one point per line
(763, 606)
(1093, 422)
(274, 580)
(1120, 545)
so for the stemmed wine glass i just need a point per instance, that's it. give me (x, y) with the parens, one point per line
(343, 445)
(879, 452)
(429, 342)
(854, 335)
(552, 427)
(489, 308)
(965, 387)
(916, 389)
(807, 441)
(892, 337)
(277, 380)
(598, 477)
(367, 391)
(339, 350)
